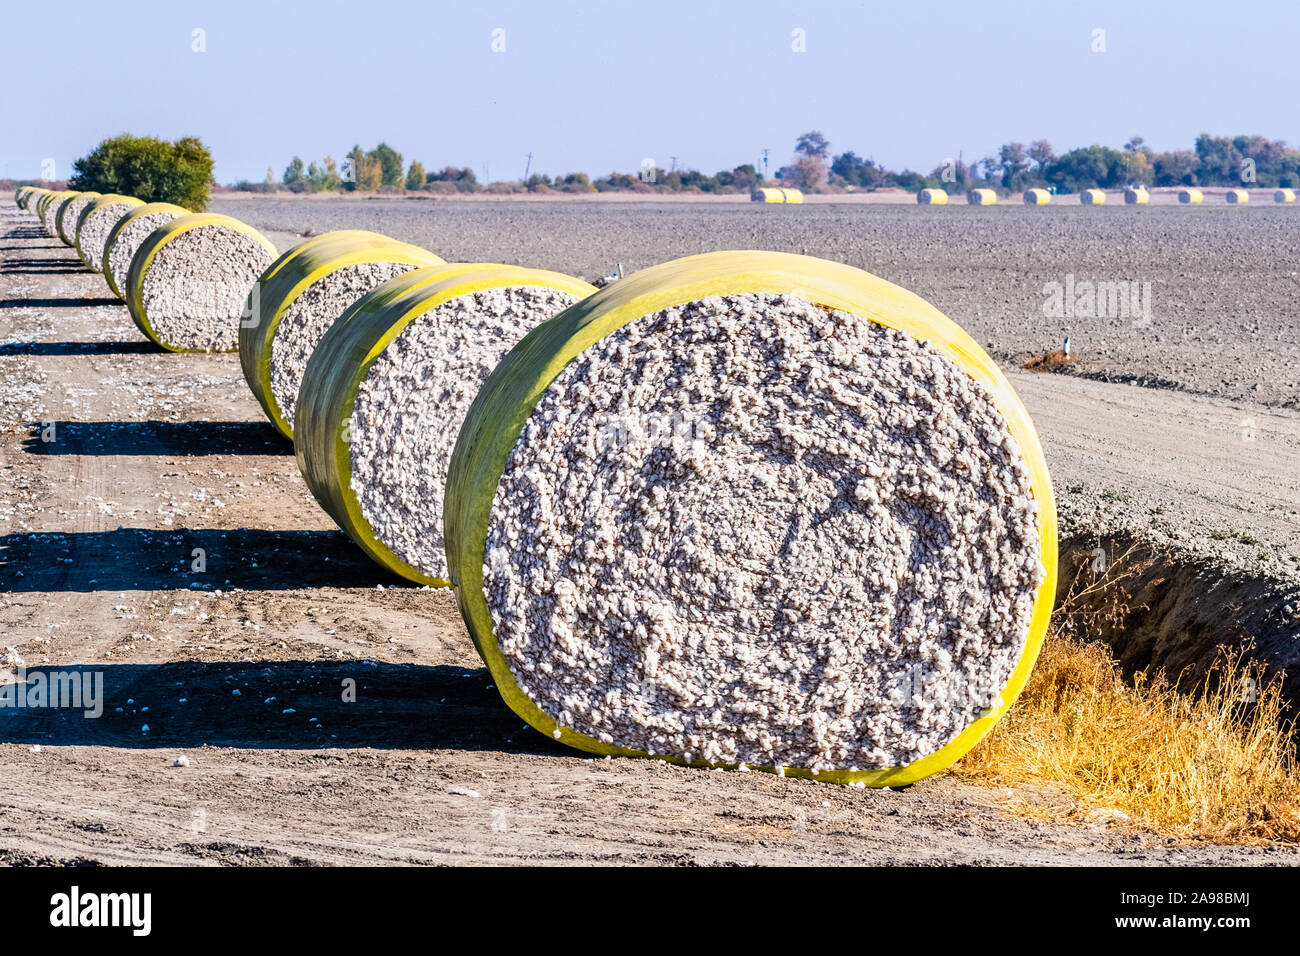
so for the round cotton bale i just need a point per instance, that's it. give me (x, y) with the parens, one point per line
(791, 195)
(1092, 197)
(1136, 197)
(96, 222)
(385, 393)
(189, 280)
(1190, 196)
(1037, 197)
(932, 197)
(767, 194)
(1236, 196)
(31, 202)
(50, 211)
(128, 234)
(982, 197)
(1284, 195)
(300, 296)
(70, 213)
(754, 508)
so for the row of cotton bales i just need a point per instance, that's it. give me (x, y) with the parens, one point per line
(1092, 197)
(630, 487)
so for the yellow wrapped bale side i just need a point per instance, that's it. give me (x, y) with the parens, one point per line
(767, 194)
(1236, 197)
(507, 400)
(791, 195)
(982, 197)
(344, 358)
(1092, 197)
(53, 206)
(288, 278)
(932, 197)
(1284, 196)
(1037, 197)
(1190, 196)
(116, 267)
(1136, 197)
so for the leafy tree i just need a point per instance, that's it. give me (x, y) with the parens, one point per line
(1087, 168)
(390, 163)
(150, 169)
(1015, 166)
(293, 172)
(415, 175)
(325, 176)
(813, 143)
(352, 167)
(856, 171)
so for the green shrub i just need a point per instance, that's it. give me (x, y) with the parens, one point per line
(150, 169)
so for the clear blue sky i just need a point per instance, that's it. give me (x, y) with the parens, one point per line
(598, 86)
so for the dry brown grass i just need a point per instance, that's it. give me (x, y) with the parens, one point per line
(1207, 763)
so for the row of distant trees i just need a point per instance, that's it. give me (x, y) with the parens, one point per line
(1213, 161)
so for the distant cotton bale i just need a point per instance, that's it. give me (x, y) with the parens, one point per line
(791, 195)
(1037, 197)
(1190, 196)
(1284, 195)
(932, 197)
(50, 213)
(126, 237)
(767, 194)
(1236, 196)
(70, 214)
(1136, 197)
(981, 197)
(1092, 197)
(96, 222)
(190, 278)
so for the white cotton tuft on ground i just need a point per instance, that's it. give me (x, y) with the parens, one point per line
(95, 230)
(752, 530)
(411, 405)
(128, 242)
(309, 317)
(196, 286)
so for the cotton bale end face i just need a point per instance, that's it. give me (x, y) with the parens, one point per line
(1136, 197)
(300, 296)
(982, 197)
(128, 234)
(672, 482)
(69, 215)
(386, 391)
(1236, 197)
(1037, 197)
(1190, 196)
(96, 222)
(1284, 196)
(50, 214)
(190, 278)
(1092, 197)
(932, 197)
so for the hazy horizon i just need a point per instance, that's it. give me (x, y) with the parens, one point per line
(601, 87)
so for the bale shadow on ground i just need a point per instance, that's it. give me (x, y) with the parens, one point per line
(136, 347)
(51, 271)
(269, 705)
(74, 303)
(146, 559)
(186, 439)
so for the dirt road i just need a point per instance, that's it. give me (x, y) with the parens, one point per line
(161, 537)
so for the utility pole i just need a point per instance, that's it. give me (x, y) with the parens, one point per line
(765, 151)
(527, 166)
(674, 166)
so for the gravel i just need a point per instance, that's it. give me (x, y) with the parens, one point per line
(94, 231)
(195, 288)
(309, 317)
(129, 240)
(410, 407)
(748, 530)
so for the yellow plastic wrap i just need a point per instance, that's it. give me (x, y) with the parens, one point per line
(1284, 196)
(932, 197)
(66, 221)
(50, 211)
(508, 397)
(115, 282)
(1092, 197)
(982, 197)
(101, 205)
(767, 194)
(1188, 196)
(1137, 197)
(343, 360)
(149, 250)
(1037, 197)
(1236, 197)
(287, 278)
